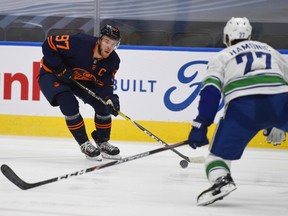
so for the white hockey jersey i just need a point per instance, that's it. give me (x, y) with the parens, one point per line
(247, 68)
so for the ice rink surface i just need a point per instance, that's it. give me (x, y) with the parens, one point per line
(154, 185)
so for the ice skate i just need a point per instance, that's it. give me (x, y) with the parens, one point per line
(222, 187)
(90, 151)
(109, 151)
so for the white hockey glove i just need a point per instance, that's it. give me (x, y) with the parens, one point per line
(275, 136)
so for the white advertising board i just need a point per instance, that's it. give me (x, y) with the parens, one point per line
(163, 85)
(153, 84)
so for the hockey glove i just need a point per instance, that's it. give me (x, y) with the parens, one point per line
(113, 104)
(64, 74)
(274, 135)
(198, 133)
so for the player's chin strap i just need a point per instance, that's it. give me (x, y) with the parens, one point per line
(200, 159)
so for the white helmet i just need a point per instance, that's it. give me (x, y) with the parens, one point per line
(236, 28)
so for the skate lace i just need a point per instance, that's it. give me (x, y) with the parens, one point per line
(88, 147)
(107, 146)
(222, 181)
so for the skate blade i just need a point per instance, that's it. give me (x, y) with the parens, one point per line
(98, 158)
(111, 157)
(208, 198)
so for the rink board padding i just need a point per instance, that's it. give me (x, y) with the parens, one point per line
(122, 130)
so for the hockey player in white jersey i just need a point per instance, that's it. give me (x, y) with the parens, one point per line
(252, 77)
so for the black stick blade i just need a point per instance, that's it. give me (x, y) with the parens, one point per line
(11, 175)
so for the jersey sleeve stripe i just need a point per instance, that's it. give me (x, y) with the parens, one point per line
(212, 80)
(51, 44)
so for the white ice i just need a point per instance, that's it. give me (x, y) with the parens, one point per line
(154, 185)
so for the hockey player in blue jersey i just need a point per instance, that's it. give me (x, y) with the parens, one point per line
(252, 77)
(93, 62)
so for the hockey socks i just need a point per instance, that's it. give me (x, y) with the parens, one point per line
(77, 128)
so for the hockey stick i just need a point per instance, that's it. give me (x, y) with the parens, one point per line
(188, 159)
(15, 179)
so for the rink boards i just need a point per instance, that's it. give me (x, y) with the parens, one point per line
(158, 88)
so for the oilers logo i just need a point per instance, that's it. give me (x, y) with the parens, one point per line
(81, 74)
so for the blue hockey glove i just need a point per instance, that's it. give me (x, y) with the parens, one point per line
(274, 135)
(198, 133)
(113, 104)
(64, 74)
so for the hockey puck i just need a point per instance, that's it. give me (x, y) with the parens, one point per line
(183, 164)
